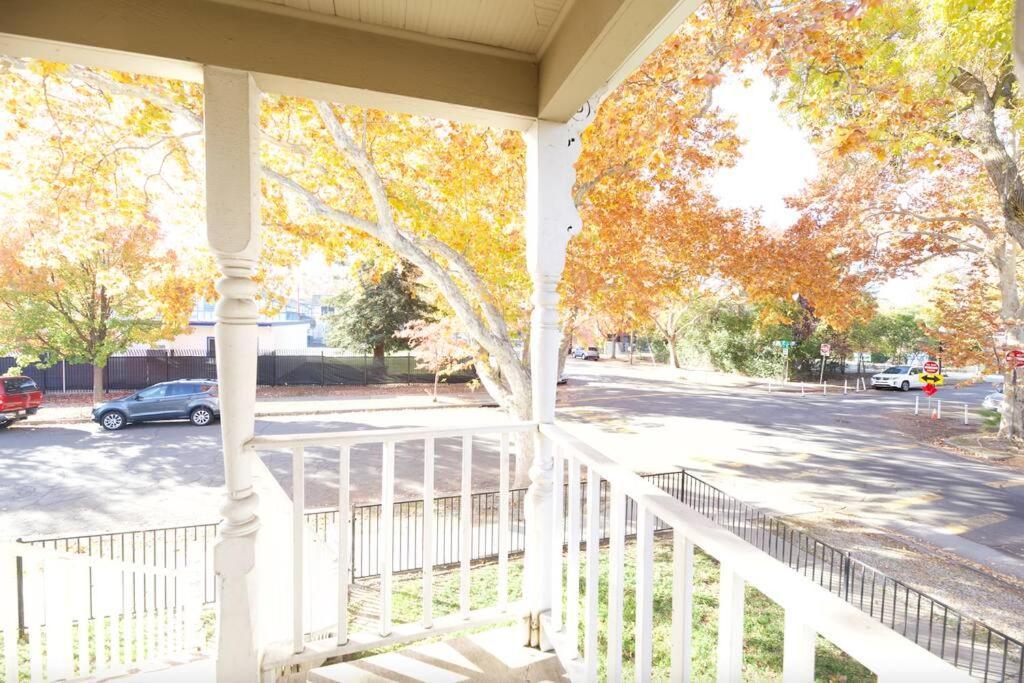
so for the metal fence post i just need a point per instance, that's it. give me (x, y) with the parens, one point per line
(323, 370)
(366, 371)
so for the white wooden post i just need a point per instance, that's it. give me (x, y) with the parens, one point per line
(551, 219)
(730, 625)
(798, 644)
(682, 608)
(232, 218)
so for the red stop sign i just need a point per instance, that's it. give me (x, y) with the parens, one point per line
(931, 367)
(1015, 358)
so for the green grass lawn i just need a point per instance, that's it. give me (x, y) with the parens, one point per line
(763, 622)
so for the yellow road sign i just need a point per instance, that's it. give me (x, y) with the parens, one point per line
(935, 378)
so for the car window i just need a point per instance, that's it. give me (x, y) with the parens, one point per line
(896, 370)
(208, 388)
(915, 371)
(154, 392)
(17, 385)
(181, 389)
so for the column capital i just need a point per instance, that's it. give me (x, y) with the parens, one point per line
(552, 218)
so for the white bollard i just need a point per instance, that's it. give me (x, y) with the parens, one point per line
(917, 405)
(846, 386)
(801, 388)
(965, 413)
(824, 388)
(938, 408)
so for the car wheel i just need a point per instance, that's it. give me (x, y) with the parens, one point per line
(905, 386)
(200, 417)
(113, 420)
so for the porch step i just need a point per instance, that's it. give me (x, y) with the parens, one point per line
(493, 655)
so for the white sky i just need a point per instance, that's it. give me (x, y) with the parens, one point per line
(777, 159)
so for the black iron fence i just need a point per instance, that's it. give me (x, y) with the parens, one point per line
(324, 367)
(982, 651)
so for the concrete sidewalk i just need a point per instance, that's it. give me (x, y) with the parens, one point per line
(298, 405)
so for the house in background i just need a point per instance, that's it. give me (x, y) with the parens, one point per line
(293, 328)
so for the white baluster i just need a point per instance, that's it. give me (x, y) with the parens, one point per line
(34, 605)
(730, 625)
(557, 539)
(644, 630)
(99, 620)
(572, 582)
(682, 608)
(344, 542)
(82, 608)
(9, 612)
(298, 545)
(466, 524)
(798, 645)
(113, 577)
(138, 588)
(616, 587)
(387, 522)
(58, 620)
(593, 565)
(427, 619)
(503, 525)
(151, 622)
(129, 621)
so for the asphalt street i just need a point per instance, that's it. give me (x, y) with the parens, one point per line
(848, 456)
(795, 455)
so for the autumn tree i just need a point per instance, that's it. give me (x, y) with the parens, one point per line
(438, 346)
(84, 272)
(919, 102)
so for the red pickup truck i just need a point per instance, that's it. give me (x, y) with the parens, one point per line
(19, 398)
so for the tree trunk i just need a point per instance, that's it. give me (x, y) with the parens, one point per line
(563, 349)
(378, 355)
(437, 378)
(97, 383)
(615, 345)
(1011, 426)
(673, 355)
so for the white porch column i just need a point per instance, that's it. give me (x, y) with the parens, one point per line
(551, 219)
(232, 218)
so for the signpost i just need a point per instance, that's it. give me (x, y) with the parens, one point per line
(785, 344)
(931, 377)
(826, 349)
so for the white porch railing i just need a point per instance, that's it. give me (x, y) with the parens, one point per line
(308, 644)
(139, 614)
(810, 610)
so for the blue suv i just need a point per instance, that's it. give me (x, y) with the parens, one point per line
(194, 400)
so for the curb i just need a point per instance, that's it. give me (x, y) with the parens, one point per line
(290, 413)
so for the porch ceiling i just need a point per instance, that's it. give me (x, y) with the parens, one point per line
(498, 62)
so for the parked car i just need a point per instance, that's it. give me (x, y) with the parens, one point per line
(994, 401)
(902, 377)
(19, 398)
(589, 353)
(194, 400)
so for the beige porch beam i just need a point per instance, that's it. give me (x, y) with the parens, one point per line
(286, 52)
(599, 43)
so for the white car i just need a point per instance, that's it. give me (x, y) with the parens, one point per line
(993, 401)
(902, 377)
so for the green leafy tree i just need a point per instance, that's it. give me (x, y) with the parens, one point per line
(894, 335)
(368, 316)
